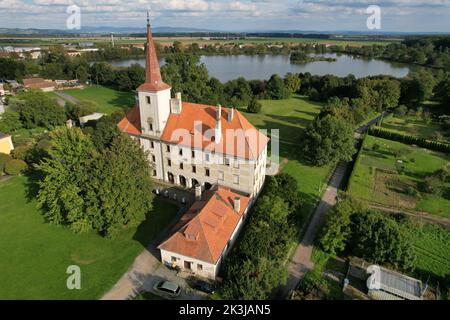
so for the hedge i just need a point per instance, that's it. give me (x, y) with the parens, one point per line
(421, 142)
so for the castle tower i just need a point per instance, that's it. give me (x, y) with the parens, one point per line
(153, 95)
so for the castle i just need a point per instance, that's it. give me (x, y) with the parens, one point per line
(211, 148)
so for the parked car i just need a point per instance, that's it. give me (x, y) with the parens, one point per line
(167, 288)
(203, 286)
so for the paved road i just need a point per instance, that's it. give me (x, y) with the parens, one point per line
(147, 269)
(67, 97)
(301, 262)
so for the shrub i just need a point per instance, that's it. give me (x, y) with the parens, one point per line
(433, 185)
(254, 106)
(3, 159)
(20, 152)
(15, 167)
(401, 110)
(375, 147)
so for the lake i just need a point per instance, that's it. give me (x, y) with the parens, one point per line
(262, 67)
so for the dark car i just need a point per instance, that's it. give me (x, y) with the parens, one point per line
(204, 286)
(167, 288)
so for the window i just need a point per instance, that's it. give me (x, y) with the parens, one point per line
(181, 166)
(180, 152)
(173, 259)
(168, 148)
(226, 161)
(194, 169)
(206, 156)
(193, 154)
(169, 162)
(152, 144)
(153, 158)
(221, 175)
(154, 173)
(149, 100)
(199, 267)
(235, 179)
(236, 163)
(207, 172)
(150, 126)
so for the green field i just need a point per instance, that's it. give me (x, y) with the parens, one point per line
(118, 40)
(291, 117)
(34, 255)
(432, 246)
(379, 177)
(413, 126)
(107, 99)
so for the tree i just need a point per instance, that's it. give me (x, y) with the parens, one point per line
(119, 193)
(254, 106)
(37, 110)
(84, 188)
(65, 176)
(329, 140)
(380, 239)
(276, 88)
(337, 229)
(10, 122)
(292, 82)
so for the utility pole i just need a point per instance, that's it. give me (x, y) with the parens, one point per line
(112, 39)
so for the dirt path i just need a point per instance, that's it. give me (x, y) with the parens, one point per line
(421, 215)
(67, 97)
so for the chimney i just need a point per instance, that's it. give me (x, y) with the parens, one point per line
(218, 129)
(176, 104)
(230, 114)
(198, 192)
(237, 204)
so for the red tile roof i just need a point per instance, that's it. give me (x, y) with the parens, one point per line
(204, 230)
(153, 79)
(247, 143)
(239, 137)
(131, 124)
(38, 83)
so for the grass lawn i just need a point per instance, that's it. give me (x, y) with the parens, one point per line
(34, 255)
(291, 117)
(410, 125)
(379, 177)
(107, 99)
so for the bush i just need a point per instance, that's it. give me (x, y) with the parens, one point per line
(375, 147)
(401, 110)
(15, 167)
(433, 185)
(3, 159)
(254, 106)
(20, 152)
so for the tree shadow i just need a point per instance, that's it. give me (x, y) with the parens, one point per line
(32, 184)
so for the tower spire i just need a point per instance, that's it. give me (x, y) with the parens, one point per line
(153, 79)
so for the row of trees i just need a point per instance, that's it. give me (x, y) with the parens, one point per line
(256, 265)
(408, 139)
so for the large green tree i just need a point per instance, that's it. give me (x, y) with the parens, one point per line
(85, 188)
(329, 140)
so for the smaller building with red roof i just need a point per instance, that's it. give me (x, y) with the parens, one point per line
(206, 232)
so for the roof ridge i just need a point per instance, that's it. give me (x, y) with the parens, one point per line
(246, 138)
(206, 238)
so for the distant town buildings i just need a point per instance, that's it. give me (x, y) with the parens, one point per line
(39, 83)
(21, 52)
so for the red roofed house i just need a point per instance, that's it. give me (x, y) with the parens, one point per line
(209, 148)
(206, 232)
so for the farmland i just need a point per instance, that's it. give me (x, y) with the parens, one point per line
(390, 173)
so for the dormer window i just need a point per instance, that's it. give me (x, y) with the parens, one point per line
(149, 100)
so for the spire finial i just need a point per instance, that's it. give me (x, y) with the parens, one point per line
(148, 18)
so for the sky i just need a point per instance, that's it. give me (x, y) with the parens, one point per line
(225, 15)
